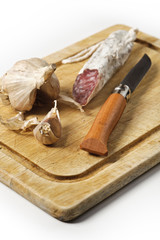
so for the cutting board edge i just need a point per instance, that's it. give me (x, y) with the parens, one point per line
(69, 213)
(103, 184)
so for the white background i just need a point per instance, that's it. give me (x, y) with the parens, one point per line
(36, 29)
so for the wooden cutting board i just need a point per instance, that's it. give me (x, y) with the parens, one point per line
(66, 181)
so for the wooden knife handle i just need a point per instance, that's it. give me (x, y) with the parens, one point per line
(107, 118)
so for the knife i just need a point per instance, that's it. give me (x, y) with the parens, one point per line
(96, 140)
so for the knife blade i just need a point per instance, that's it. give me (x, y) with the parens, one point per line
(96, 140)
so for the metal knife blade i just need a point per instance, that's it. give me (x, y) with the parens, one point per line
(136, 74)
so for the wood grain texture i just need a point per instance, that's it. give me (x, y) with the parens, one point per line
(97, 138)
(50, 176)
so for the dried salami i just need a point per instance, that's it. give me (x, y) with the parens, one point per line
(105, 61)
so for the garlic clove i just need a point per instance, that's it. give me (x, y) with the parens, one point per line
(50, 90)
(49, 130)
(44, 134)
(22, 81)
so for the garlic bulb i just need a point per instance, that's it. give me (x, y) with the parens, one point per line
(48, 131)
(24, 78)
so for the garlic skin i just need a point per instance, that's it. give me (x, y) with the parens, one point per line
(18, 123)
(70, 102)
(24, 78)
(48, 131)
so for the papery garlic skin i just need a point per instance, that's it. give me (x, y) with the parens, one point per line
(18, 123)
(70, 101)
(24, 78)
(49, 130)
